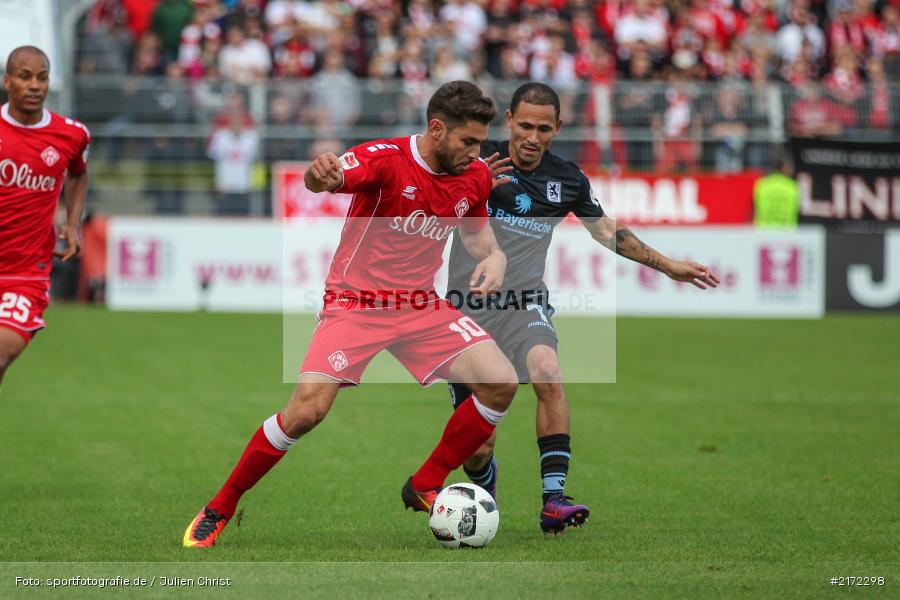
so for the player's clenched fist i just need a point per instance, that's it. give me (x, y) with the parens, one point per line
(325, 174)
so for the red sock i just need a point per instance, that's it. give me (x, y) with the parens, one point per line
(258, 458)
(465, 432)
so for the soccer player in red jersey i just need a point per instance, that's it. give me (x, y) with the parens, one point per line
(39, 152)
(409, 195)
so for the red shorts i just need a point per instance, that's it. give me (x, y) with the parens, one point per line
(22, 305)
(424, 341)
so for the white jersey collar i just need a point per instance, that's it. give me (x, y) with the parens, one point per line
(414, 148)
(4, 114)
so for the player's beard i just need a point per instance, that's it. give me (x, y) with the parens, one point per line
(445, 158)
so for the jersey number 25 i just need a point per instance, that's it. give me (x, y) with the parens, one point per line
(15, 306)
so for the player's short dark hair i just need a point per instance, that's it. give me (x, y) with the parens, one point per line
(456, 102)
(10, 60)
(533, 92)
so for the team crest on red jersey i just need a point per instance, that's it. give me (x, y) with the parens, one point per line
(50, 156)
(462, 207)
(338, 361)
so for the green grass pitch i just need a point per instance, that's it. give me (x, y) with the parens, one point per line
(733, 458)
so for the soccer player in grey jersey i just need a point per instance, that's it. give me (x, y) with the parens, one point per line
(542, 189)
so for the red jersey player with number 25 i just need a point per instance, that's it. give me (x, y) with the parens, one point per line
(39, 151)
(409, 194)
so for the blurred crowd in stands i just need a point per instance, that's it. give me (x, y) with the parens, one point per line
(837, 63)
(845, 42)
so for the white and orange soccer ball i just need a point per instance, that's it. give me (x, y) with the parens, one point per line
(464, 515)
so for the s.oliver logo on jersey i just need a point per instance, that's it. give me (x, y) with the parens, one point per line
(418, 222)
(462, 207)
(50, 156)
(139, 259)
(779, 267)
(338, 361)
(13, 174)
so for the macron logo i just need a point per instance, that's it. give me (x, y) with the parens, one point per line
(409, 192)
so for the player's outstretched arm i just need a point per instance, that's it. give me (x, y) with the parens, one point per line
(73, 199)
(623, 242)
(324, 174)
(482, 245)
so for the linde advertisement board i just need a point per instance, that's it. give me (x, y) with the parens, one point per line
(843, 182)
(261, 266)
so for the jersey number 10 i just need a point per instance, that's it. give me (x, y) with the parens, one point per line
(467, 328)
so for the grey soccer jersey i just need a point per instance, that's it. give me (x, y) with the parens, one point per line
(523, 214)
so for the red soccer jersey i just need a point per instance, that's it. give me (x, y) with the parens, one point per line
(34, 160)
(400, 217)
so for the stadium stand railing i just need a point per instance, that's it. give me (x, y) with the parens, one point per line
(151, 134)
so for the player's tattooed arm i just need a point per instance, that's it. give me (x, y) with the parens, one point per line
(629, 246)
(482, 245)
(74, 197)
(325, 174)
(623, 242)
